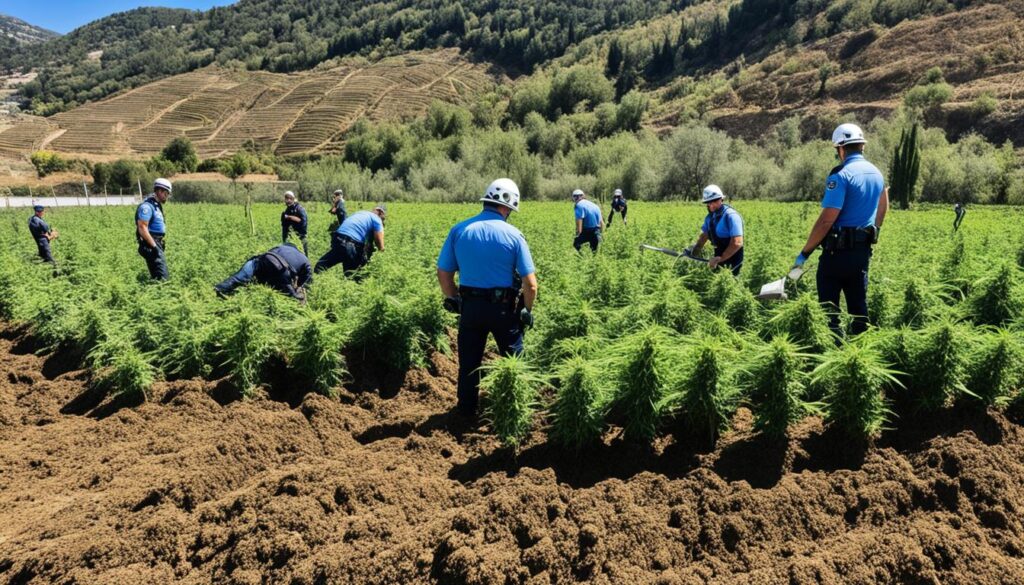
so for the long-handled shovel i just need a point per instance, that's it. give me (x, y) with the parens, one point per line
(672, 253)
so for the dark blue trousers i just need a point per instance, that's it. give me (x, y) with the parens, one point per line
(590, 236)
(845, 272)
(44, 250)
(479, 318)
(155, 259)
(343, 251)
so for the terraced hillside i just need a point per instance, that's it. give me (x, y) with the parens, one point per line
(222, 110)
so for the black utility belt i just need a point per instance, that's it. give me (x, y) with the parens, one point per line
(492, 295)
(849, 238)
(349, 240)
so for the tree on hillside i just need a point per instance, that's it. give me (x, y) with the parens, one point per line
(237, 166)
(613, 63)
(694, 153)
(182, 154)
(906, 166)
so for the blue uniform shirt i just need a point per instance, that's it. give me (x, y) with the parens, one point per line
(618, 203)
(297, 263)
(299, 211)
(854, 188)
(38, 228)
(361, 226)
(589, 212)
(485, 250)
(150, 210)
(730, 224)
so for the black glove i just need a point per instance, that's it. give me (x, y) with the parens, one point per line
(525, 318)
(453, 305)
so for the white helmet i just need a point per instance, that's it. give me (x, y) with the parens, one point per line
(162, 184)
(848, 134)
(289, 195)
(339, 192)
(577, 194)
(711, 193)
(617, 193)
(503, 192)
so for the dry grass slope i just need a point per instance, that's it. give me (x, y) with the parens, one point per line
(980, 50)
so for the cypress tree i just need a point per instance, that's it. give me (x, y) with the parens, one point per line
(906, 166)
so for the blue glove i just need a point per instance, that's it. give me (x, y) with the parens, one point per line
(800, 259)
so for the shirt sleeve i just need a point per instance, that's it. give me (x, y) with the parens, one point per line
(706, 225)
(377, 226)
(735, 224)
(579, 211)
(145, 212)
(835, 192)
(524, 260)
(302, 214)
(446, 260)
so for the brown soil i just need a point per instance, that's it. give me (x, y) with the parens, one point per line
(383, 486)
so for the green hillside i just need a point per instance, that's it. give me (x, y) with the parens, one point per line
(147, 44)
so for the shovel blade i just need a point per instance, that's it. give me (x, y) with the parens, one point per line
(775, 290)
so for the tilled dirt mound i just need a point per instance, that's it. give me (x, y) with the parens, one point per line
(384, 486)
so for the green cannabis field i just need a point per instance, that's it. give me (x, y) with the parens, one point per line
(628, 342)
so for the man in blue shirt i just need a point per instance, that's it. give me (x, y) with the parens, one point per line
(42, 234)
(588, 221)
(351, 243)
(618, 205)
(150, 229)
(283, 268)
(338, 206)
(294, 218)
(497, 285)
(853, 209)
(723, 226)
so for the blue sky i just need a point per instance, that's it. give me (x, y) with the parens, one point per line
(64, 16)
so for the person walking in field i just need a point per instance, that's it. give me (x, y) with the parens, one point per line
(150, 229)
(588, 221)
(853, 209)
(338, 206)
(723, 227)
(618, 206)
(294, 218)
(282, 268)
(497, 285)
(351, 243)
(42, 234)
(960, 210)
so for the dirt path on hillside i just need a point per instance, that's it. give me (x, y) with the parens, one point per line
(382, 486)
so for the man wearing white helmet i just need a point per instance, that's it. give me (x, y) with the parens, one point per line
(723, 226)
(352, 242)
(588, 221)
(496, 289)
(618, 205)
(294, 218)
(853, 208)
(150, 229)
